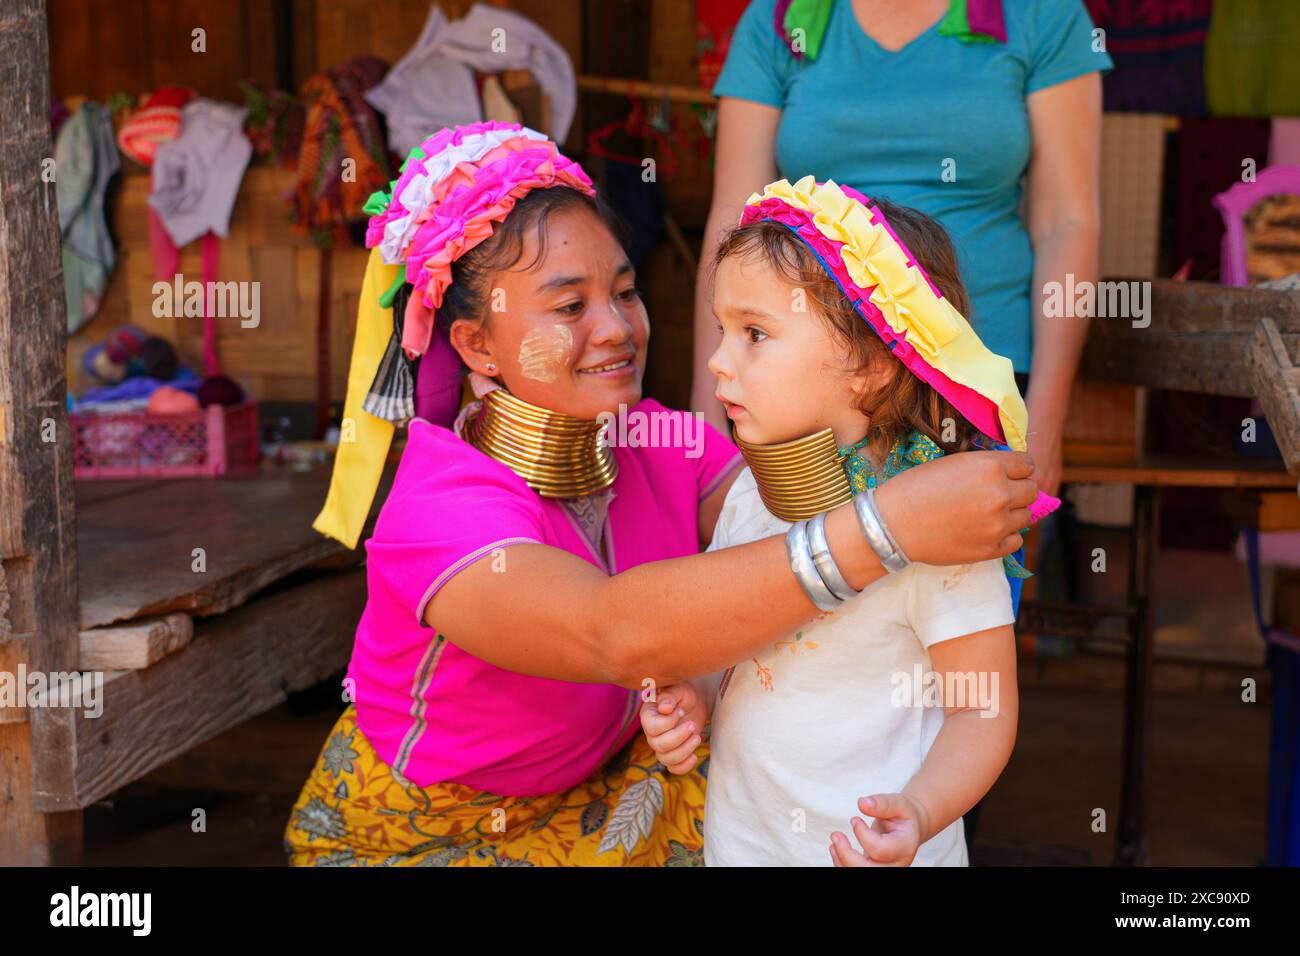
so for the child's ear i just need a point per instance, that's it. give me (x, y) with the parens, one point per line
(870, 379)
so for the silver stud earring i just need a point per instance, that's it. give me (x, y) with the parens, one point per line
(491, 367)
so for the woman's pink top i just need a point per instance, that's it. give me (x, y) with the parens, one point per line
(436, 713)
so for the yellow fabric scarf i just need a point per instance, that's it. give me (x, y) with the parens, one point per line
(364, 440)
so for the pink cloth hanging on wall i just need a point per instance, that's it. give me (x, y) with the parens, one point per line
(166, 263)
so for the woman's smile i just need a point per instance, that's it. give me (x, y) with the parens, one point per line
(576, 321)
(613, 369)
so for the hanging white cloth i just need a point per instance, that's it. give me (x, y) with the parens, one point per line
(433, 85)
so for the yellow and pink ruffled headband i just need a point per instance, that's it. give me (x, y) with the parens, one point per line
(891, 290)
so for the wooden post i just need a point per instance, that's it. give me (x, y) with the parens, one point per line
(38, 559)
(1131, 841)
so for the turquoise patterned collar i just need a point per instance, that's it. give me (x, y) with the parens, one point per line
(915, 449)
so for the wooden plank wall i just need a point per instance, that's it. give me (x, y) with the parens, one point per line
(102, 47)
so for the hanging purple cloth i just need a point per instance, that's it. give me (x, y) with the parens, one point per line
(1159, 52)
(1207, 160)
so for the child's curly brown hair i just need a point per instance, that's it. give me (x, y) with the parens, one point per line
(905, 402)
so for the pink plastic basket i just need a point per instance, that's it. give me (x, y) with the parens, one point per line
(214, 441)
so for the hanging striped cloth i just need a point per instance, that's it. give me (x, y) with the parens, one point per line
(392, 394)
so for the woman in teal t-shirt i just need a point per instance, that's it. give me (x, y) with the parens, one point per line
(895, 107)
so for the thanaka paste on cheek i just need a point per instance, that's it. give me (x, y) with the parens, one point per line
(543, 352)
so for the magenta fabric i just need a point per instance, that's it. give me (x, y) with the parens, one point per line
(438, 381)
(778, 20)
(166, 261)
(977, 409)
(1042, 506)
(436, 713)
(985, 16)
(211, 265)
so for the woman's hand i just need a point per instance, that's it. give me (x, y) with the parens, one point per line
(1048, 403)
(960, 508)
(672, 725)
(892, 840)
(1045, 447)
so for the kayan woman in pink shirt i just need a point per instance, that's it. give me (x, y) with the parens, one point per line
(535, 570)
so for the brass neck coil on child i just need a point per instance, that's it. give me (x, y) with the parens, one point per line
(559, 456)
(801, 478)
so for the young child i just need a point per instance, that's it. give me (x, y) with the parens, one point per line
(902, 701)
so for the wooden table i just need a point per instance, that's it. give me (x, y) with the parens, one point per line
(137, 542)
(1149, 474)
(274, 606)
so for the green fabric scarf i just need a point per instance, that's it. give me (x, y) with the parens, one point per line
(957, 24)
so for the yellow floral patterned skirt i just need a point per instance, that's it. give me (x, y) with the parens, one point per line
(355, 810)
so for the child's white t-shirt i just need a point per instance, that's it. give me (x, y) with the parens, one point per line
(805, 729)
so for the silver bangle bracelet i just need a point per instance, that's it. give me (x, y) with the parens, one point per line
(877, 535)
(825, 561)
(893, 542)
(805, 570)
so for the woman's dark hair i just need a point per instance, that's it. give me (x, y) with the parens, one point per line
(471, 274)
(905, 402)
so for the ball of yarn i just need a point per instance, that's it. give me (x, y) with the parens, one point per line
(220, 390)
(102, 368)
(167, 400)
(123, 343)
(158, 359)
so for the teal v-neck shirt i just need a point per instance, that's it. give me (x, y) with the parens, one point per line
(939, 125)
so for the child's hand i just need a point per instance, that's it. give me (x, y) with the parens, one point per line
(891, 841)
(673, 723)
